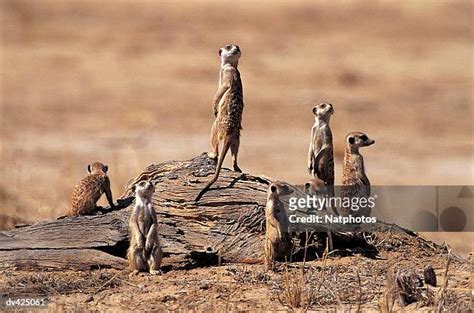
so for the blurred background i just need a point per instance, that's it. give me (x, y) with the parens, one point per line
(130, 83)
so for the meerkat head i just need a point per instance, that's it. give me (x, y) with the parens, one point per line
(144, 189)
(315, 187)
(323, 111)
(230, 54)
(277, 189)
(97, 167)
(355, 140)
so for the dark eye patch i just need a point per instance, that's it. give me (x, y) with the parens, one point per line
(364, 138)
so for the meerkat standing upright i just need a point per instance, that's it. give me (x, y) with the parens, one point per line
(228, 108)
(89, 190)
(144, 253)
(354, 180)
(277, 237)
(317, 187)
(320, 155)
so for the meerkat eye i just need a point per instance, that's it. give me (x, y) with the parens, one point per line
(351, 140)
(364, 138)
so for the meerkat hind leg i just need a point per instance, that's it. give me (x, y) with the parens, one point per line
(214, 143)
(155, 261)
(234, 150)
(139, 263)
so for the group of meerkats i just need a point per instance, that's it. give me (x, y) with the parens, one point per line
(145, 253)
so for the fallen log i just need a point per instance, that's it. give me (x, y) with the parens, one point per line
(228, 224)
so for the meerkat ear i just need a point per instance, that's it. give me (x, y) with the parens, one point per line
(106, 168)
(220, 52)
(351, 140)
(273, 188)
(89, 168)
(134, 187)
(238, 48)
(307, 186)
(314, 110)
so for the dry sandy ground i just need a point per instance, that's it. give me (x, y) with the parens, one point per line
(338, 283)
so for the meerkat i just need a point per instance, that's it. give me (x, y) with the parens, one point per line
(228, 108)
(89, 190)
(320, 155)
(317, 187)
(277, 237)
(144, 253)
(354, 179)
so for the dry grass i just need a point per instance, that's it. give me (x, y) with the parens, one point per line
(130, 83)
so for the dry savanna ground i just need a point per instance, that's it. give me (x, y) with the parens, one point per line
(130, 84)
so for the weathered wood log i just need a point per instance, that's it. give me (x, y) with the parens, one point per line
(228, 222)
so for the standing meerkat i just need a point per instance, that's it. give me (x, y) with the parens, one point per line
(320, 155)
(228, 108)
(277, 237)
(144, 253)
(354, 180)
(89, 190)
(317, 187)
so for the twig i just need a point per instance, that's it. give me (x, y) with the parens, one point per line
(442, 291)
(359, 300)
(105, 284)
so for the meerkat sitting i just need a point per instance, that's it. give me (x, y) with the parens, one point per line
(354, 179)
(320, 155)
(144, 253)
(228, 108)
(89, 190)
(277, 237)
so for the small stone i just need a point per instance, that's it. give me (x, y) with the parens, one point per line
(430, 276)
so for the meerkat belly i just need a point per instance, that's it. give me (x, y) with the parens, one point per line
(231, 113)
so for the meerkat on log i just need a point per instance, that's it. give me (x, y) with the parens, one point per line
(277, 237)
(317, 187)
(355, 182)
(228, 108)
(89, 190)
(320, 155)
(144, 253)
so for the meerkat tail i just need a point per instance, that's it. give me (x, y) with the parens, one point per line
(225, 148)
